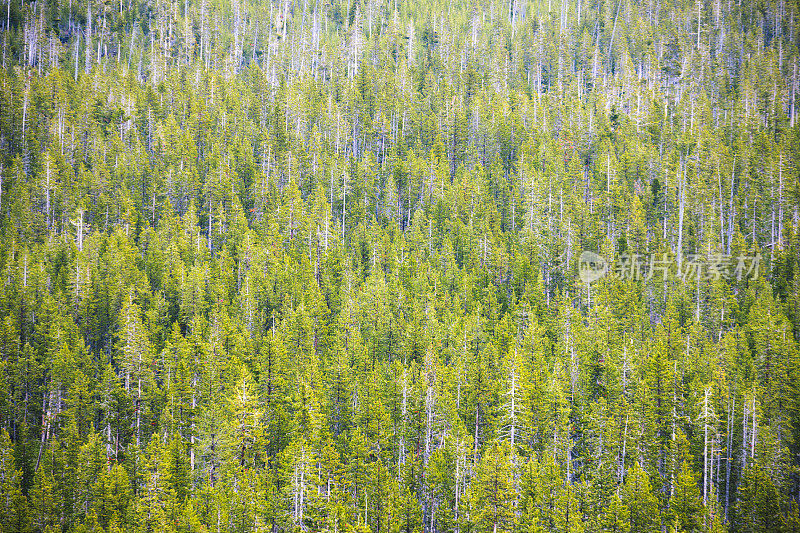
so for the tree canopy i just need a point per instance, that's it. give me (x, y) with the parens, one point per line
(318, 266)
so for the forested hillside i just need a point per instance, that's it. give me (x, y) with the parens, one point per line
(315, 265)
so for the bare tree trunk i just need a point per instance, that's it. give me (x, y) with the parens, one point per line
(429, 402)
(780, 201)
(344, 204)
(80, 231)
(705, 448)
(624, 449)
(744, 434)
(681, 209)
(794, 88)
(77, 51)
(138, 408)
(194, 406)
(459, 461)
(613, 32)
(513, 403)
(401, 456)
(753, 433)
(46, 414)
(47, 190)
(729, 445)
(477, 420)
(730, 209)
(88, 62)
(721, 207)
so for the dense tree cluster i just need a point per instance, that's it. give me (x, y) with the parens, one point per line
(314, 266)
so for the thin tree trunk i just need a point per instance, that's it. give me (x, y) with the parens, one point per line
(705, 448)
(624, 449)
(753, 433)
(744, 435)
(780, 201)
(46, 413)
(344, 204)
(730, 209)
(681, 209)
(729, 446)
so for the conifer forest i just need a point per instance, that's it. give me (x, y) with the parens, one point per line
(399, 266)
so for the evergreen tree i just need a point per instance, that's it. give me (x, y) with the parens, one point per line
(758, 503)
(493, 495)
(637, 495)
(685, 504)
(320, 266)
(15, 513)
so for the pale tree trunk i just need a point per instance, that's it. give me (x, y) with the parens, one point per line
(477, 420)
(705, 448)
(47, 189)
(744, 434)
(729, 446)
(401, 456)
(430, 377)
(461, 462)
(780, 201)
(610, 229)
(77, 52)
(699, 21)
(753, 433)
(624, 449)
(731, 213)
(88, 62)
(327, 219)
(139, 404)
(681, 209)
(613, 32)
(194, 406)
(513, 405)
(721, 208)
(210, 217)
(46, 415)
(794, 88)
(344, 204)
(79, 230)
(713, 461)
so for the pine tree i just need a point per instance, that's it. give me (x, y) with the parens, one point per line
(312, 266)
(616, 518)
(685, 504)
(135, 359)
(45, 501)
(14, 511)
(114, 497)
(637, 495)
(406, 515)
(758, 506)
(492, 492)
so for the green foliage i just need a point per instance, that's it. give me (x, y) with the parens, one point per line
(686, 503)
(15, 512)
(493, 497)
(300, 266)
(642, 504)
(759, 504)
